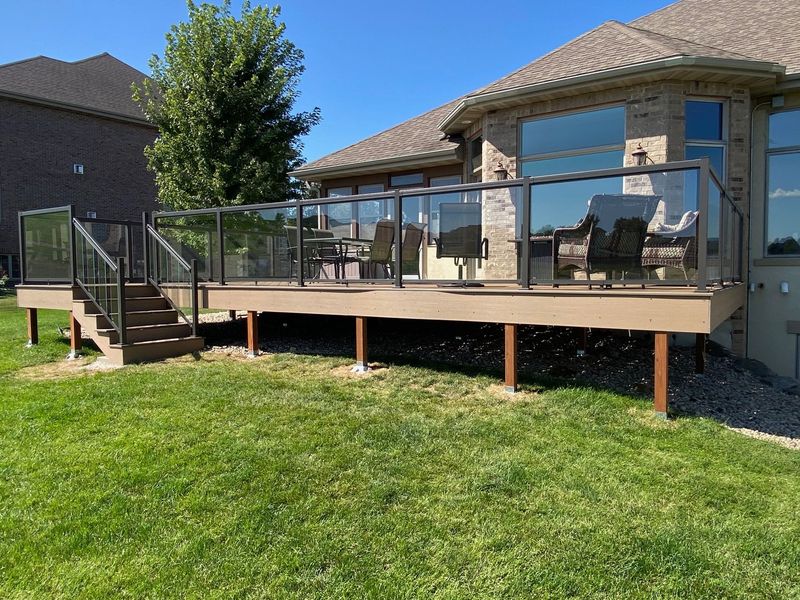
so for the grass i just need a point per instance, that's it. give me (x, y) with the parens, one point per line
(282, 477)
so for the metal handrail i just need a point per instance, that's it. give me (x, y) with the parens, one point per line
(154, 279)
(117, 268)
(98, 248)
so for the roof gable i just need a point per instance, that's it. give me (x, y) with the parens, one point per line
(100, 83)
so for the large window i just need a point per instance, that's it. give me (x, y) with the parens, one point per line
(783, 184)
(581, 141)
(706, 133)
(593, 139)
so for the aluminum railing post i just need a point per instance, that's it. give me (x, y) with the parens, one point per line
(21, 247)
(195, 307)
(73, 269)
(525, 235)
(145, 248)
(398, 239)
(702, 225)
(129, 253)
(123, 333)
(221, 244)
(300, 257)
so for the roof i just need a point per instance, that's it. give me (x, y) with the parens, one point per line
(608, 46)
(732, 34)
(766, 30)
(99, 84)
(417, 136)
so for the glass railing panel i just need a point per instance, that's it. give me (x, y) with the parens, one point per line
(47, 255)
(714, 231)
(194, 237)
(612, 229)
(348, 240)
(259, 243)
(465, 237)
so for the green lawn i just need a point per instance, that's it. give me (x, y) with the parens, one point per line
(282, 477)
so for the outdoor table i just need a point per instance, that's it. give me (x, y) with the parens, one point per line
(344, 246)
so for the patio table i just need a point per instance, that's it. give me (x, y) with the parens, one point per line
(344, 246)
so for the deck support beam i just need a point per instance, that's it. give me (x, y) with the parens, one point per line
(700, 353)
(252, 333)
(511, 345)
(362, 363)
(232, 315)
(661, 378)
(32, 316)
(75, 339)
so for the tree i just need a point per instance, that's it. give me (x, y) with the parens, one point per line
(222, 98)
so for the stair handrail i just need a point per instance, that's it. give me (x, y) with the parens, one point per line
(154, 279)
(117, 268)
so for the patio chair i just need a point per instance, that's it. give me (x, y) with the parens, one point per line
(460, 235)
(412, 244)
(609, 238)
(672, 246)
(323, 254)
(379, 251)
(308, 252)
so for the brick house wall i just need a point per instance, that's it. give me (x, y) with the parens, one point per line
(39, 146)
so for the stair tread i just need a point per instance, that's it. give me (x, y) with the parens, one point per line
(157, 342)
(145, 327)
(152, 310)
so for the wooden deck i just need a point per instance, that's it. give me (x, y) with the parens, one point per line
(661, 310)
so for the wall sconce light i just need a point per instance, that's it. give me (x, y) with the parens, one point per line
(640, 156)
(500, 172)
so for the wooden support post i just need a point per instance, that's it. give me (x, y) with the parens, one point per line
(252, 333)
(362, 363)
(232, 315)
(33, 326)
(700, 353)
(661, 379)
(75, 341)
(511, 357)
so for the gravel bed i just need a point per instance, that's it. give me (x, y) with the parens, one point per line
(742, 394)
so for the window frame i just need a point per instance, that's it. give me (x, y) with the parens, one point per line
(701, 143)
(522, 159)
(769, 152)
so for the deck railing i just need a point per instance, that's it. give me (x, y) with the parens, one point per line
(661, 224)
(345, 239)
(101, 278)
(164, 266)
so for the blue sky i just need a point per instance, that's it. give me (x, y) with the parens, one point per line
(369, 64)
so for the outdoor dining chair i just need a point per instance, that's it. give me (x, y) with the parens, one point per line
(461, 235)
(412, 245)
(379, 252)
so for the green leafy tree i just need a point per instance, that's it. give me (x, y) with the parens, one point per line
(222, 98)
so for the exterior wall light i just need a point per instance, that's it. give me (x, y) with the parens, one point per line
(500, 172)
(639, 156)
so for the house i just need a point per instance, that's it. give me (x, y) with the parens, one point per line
(70, 133)
(699, 78)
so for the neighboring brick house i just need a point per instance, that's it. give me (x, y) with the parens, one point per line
(70, 133)
(716, 78)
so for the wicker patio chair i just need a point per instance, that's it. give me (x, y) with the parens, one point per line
(609, 238)
(674, 247)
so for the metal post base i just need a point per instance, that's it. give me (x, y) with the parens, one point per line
(510, 389)
(660, 415)
(73, 354)
(360, 368)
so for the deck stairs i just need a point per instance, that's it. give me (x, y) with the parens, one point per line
(155, 330)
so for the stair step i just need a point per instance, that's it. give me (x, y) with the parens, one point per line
(145, 303)
(147, 333)
(140, 290)
(151, 317)
(158, 349)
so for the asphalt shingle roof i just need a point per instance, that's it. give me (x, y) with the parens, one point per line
(722, 29)
(100, 83)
